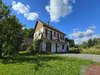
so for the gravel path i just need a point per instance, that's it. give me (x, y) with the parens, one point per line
(93, 57)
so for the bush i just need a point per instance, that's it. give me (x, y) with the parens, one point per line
(97, 46)
(29, 49)
(37, 46)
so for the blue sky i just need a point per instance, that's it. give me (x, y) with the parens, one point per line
(79, 19)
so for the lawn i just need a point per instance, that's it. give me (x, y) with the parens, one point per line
(41, 64)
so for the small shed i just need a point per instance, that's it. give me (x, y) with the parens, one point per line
(26, 43)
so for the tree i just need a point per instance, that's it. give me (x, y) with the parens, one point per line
(4, 12)
(27, 33)
(95, 41)
(84, 45)
(72, 43)
(90, 43)
(11, 35)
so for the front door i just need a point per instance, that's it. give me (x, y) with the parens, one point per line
(48, 47)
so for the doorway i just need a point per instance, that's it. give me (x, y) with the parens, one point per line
(48, 47)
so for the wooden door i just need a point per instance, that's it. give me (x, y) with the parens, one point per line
(48, 47)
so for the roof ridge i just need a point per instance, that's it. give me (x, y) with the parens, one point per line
(50, 26)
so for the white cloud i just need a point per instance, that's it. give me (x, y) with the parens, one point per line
(80, 40)
(88, 32)
(21, 8)
(58, 9)
(80, 34)
(28, 6)
(92, 27)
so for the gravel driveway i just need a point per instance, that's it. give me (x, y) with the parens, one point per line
(93, 57)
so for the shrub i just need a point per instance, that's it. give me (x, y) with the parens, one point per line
(29, 49)
(37, 46)
(97, 46)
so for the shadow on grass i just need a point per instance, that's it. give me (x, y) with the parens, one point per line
(39, 60)
(28, 58)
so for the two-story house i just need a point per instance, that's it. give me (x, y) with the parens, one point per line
(53, 39)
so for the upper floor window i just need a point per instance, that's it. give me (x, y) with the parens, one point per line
(62, 37)
(39, 32)
(48, 32)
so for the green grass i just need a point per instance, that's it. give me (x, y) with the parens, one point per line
(41, 64)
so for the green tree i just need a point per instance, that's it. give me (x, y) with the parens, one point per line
(4, 12)
(27, 33)
(11, 35)
(98, 41)
(84, 45)
(72, 43)
(90, 43)
(95, 41)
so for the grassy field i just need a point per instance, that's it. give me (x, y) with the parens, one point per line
(92, 50)
(41, 64)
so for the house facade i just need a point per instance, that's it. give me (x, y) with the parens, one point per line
(53, 39)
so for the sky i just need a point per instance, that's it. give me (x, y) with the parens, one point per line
(78, 19)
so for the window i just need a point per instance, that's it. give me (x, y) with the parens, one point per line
(39, 32)
(62, 46)
(61, 37)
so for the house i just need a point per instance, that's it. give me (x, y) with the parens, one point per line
(27, 42)
(53, 39)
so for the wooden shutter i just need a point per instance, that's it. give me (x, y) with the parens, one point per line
(58, 36)
(54, 33)
(46, 32)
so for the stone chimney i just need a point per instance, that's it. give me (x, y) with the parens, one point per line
(48, 22)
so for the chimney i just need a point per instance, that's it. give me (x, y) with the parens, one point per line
(48, 22)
